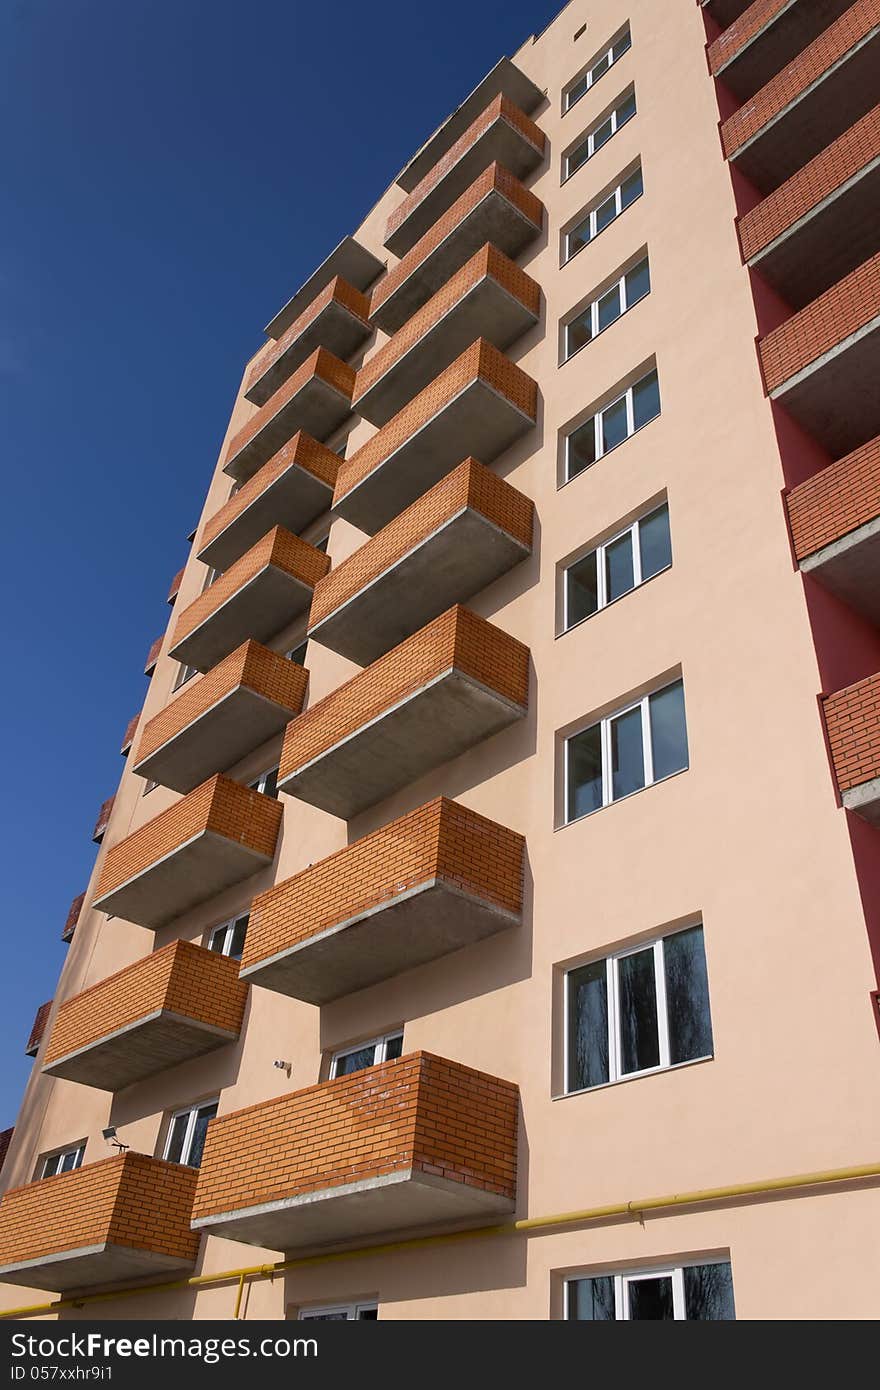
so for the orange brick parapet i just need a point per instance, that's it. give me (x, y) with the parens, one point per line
(419, 1113)
(439, 842)
(322, 364)
(38, 1028)
(805, 190)
(838, 313)
(794, 79)
(103, 818)
(131, 1200)
(470, 485)
(495, 179)
(175, 586)
(73, 916)
(852, 718)
(251, 665)
(501, 108)
(488, 261)
(835, 501)
(302, 451)
(219, 805)
(337, 291)
(279, 548)
(456, 641)
(5, 1141)
(742, 31)
(152, 656)
(130, 731)
(180, 978)
(481, 361)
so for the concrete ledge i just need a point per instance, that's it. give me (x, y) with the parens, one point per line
(259, 609)
(786, 34)
(318, 407)
(89, 1265)
(149, 1045)
(336, 328)
(349, 260)
(435, 724)
(865, 801)
(850, 568)
(836, 397)
(294, 500)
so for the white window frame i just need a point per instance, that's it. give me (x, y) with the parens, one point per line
(589, 139)
(228, 930)
(352, 1311)
(379, 1045)
(78, 1152)
(192, 1111)
(593, 309)
(184, 673)
(634, 531)
(625, 1278)
(258, 784)
(605, 724)
(619, 209)
(601, 452)
(588, 77)
(290, 655)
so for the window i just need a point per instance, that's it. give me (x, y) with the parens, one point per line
(620, 564)
(228, 938)
(184, 674)
(604, 213)
(322, 544)
(610, 426)
(598, 136)
(626, 751)
(642, 1010)
(149, 786)
(693, 1292)
(267, 783)
(298, 654)
(341, 1312)
(634, 285)
(186, 1134)
(64, 1162)
(367, 1054)
(600, 66)
(211, 577)
(236, 487)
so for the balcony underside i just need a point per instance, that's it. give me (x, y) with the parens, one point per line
(197, 870)
(485, 311)
(478, 421)
(836, 398)
(317, 408)
(850, 568)
(428, 728)
(812, 120)
(335, 328)
(865, 801)
(724, 12)
(828, 242)
(149, 1045)
(398, 1201)
(259, 609)
(420, 925)
(238, 723)
(294, 501)
(494, 219)
(90, 1265)
(778, 44)
(460, 558)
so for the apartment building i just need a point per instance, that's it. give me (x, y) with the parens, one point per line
(498, 839)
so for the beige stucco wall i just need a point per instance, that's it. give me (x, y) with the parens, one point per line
(750, 839)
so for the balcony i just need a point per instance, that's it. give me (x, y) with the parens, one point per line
(821, 224)
(456, 539)
(490, 297)
(835, 526)
(349, 261)
(765, 38)
(416, 1142)
(128, 736)
(175, 588)
(316, 398)
(291, 490)
(501, 134)
(178, 1003)
(38, 1028)
(103, 819)
(120, 1219)
(257, 597)
(218, 835)
(73, 917)
(430, 883)
(820, 94)
(852, 721)
(219, 718)
(823, 364)
(448, 687)
(496, 208)
(152, 656)
(724, 12)
(337, 319)
(479, 405)
(5, 1141)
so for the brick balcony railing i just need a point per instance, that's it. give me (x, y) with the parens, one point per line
(177, 1003)
(316, 398)
(130, 731)
(175, 586)
(120, 1218)
(407, 1143)
(103, 819)
(852, 719)
(73, 916)
(38, 1028)
(153, 656)
(524, 143)
(841, 311)
(5, 1141)
(432, 881)
(837, 500)
(338, 319)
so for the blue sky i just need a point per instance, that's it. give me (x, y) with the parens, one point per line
(162, 196)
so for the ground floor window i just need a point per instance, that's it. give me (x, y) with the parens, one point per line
(341, 1312)
(698, 1292)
